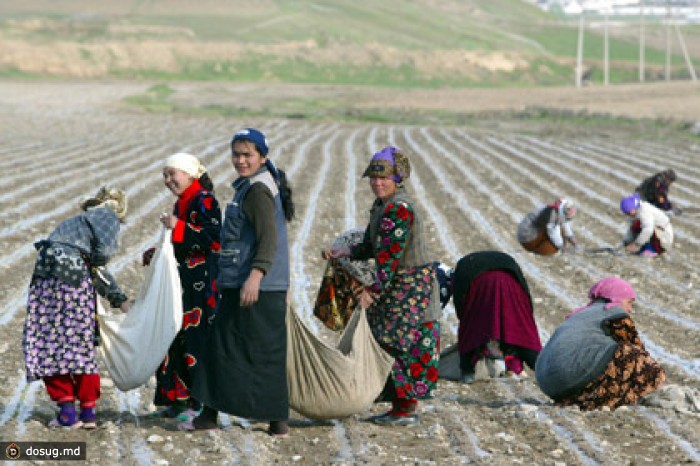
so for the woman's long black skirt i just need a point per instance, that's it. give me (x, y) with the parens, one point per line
(244, 368)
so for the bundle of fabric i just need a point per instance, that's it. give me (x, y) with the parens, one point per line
(328, 382)
(134, 344)
(343, 280)
(679, 398)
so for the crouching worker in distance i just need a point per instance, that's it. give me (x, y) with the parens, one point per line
(650, 232)
(547, 230)
(654, 190)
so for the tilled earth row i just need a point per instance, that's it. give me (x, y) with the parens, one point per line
(472, 187)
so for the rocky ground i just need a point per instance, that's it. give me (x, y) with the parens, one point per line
(61, 141)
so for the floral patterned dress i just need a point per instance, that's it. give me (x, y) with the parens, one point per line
(631, 374)
(60, 331)
(196, 245)
(402, 299)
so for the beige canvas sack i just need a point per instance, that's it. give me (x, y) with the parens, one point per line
(330, 382)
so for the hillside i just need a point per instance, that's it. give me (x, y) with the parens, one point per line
(410, 43)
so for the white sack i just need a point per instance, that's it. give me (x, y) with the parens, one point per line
(134, 344)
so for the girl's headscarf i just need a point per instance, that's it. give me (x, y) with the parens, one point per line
(612, 289)
(188, 163)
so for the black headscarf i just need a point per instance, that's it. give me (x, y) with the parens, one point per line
(472, 265)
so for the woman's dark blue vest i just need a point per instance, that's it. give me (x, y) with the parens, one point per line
(238, 247)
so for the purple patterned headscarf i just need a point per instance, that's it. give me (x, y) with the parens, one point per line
(388, 163)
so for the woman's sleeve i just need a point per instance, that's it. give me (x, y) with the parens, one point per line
(554, 231)
(646, 222)
(202, 230)
(623, 331)
(393, 231)
(107, 286)
(568, 229)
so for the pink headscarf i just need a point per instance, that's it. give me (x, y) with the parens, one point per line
(613, 289)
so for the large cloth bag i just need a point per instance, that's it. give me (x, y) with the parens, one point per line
(328, 382)
(134, 344)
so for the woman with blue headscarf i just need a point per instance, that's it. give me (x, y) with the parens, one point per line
(245, 364)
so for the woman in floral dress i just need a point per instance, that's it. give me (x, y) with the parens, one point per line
(403, 304)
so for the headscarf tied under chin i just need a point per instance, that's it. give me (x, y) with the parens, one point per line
(389, 163)
(188, 163)
(611, 289)
(565, 209)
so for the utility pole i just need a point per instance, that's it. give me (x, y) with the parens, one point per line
(668, 40)
(641, 41)
(688, 61)
(606, 59)
(579, 51)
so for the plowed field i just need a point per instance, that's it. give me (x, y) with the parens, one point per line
(473, 185)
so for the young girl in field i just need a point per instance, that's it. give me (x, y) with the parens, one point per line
(60, 330)
(196, 228)
(245, 365)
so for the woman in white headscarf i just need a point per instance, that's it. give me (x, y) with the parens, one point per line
(547, 230)
(196, 226)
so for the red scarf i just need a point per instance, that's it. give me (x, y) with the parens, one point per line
(185, 200)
